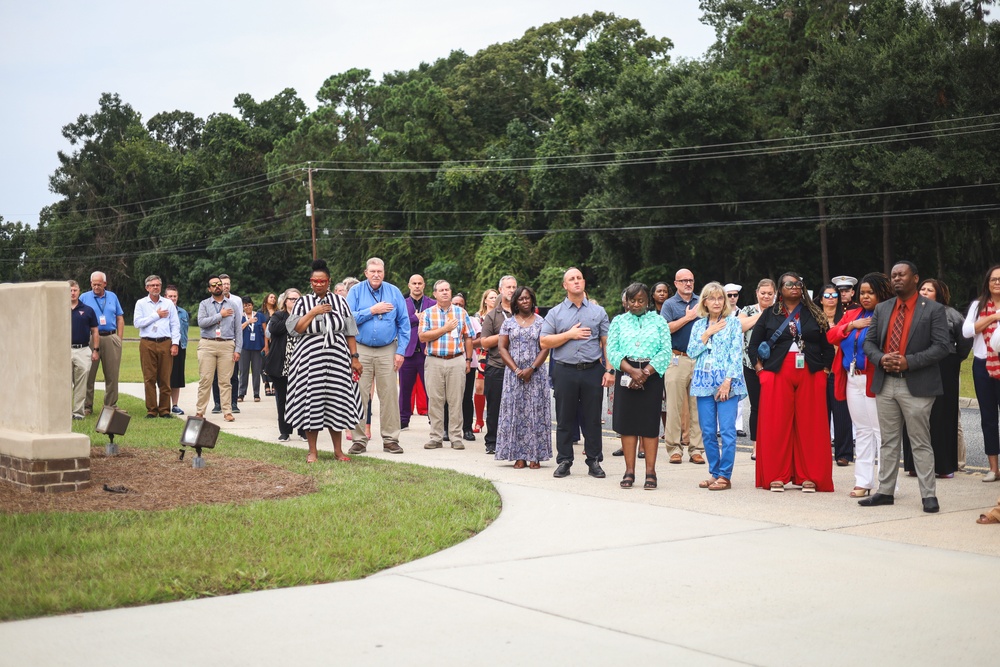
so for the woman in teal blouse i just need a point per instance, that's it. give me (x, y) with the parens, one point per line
(638, 354)
(717, 381)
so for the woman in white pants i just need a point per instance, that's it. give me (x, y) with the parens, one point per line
(853, 378)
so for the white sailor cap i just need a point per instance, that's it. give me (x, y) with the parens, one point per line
(845, 282)
(732, 287)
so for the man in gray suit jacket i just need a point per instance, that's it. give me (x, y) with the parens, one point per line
(911, 337)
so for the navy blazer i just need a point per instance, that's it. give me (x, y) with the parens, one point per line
(411, 347)
(927, 343)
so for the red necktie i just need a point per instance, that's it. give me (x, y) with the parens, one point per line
(897, 329)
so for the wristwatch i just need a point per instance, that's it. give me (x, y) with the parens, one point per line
(355, 356)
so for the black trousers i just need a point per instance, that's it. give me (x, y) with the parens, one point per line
(492, 390)
(753, 392)
(578, 397)
(843, 435)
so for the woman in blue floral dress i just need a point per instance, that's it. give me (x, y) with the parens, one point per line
(717, 381)
(524, 430)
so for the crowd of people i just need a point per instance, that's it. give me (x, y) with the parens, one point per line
(877, 358)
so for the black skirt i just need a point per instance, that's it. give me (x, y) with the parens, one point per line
(637, 412)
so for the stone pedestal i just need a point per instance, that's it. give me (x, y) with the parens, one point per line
(38, 449)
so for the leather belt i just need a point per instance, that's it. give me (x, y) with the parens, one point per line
(77, 347)
(580, 367)
(679, 353)
(896, 375)
(157, 340)
(222, 340)
(448, 356)
(107, 333)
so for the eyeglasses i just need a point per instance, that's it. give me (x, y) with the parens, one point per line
(789, 284)
(829, 295)
(216, 284)
(995, 280)
(319, 281)
(685, 280)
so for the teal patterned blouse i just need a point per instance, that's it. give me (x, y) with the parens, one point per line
(719, 360)
(646, 336)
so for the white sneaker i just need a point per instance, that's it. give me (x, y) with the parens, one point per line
(991, 477)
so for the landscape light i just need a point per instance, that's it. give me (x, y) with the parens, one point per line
(198, 432)
(112, 422)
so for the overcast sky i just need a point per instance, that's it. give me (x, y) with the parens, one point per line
(58, 56)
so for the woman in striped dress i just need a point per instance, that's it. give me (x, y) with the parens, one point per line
(322, 393)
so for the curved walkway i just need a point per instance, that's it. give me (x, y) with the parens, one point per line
(578, 571)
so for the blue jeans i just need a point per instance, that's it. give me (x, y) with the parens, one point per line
(719, 417)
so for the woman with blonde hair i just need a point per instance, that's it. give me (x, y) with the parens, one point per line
(486, 303)
(716, 346)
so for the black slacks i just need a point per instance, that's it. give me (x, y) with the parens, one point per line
(578, 396)
(492, 390)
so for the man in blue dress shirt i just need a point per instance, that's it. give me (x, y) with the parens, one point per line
(379, 309)
(680, 311)
(110, 327)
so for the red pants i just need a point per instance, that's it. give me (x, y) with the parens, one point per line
(419, 398)
(793, 431)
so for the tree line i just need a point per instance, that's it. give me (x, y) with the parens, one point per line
(824, 137)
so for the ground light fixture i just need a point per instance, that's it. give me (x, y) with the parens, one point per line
(198, 433)
(112, 422)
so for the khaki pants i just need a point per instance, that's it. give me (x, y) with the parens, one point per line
(110, 360)
(896, 407)
(445, 383)
(81, 369)
(678, 384)
(215, 355)
(156, 364)
(378, 367)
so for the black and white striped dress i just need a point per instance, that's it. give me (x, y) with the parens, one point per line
(321, 392)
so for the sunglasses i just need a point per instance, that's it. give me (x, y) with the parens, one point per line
(319, 281)
(828, 295)
(789, 284)
(733, 296)
(215, 284)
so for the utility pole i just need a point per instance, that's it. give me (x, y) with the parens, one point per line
(312, 213)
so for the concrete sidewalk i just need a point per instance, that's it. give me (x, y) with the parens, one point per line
(578, 571)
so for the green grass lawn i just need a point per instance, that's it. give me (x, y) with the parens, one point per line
(367, 515)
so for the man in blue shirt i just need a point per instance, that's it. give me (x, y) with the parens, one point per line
(379, 309)
(680, 311)
(576, 331)
(110, 327)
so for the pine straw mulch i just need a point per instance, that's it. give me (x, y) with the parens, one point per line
(157, 480)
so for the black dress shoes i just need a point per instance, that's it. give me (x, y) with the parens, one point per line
(562, 470)
(877, 499)
(467, 435)
(931, 504)
(595, 470)
(618, 452)
(740, 433)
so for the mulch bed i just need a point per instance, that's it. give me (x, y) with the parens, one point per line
(157, 480)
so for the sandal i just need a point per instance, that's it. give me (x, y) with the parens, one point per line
(628, 480)
(534, 465)
(777, 486)
(986, 519)
(721, 484)
(858, 492)
(312, 458)
(650, 482)
(520, 463)
(707, 483)
(341, 457)
(808, 487)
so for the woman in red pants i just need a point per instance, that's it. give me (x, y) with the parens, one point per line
(793, 434)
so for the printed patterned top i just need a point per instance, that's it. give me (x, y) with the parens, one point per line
(646, 336)
(719, 360)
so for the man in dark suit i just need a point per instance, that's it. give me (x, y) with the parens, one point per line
(413, 361)
(911, 337)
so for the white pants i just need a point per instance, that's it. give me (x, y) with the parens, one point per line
(868, 438)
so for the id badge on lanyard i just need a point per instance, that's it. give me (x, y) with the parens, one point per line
(800, 360)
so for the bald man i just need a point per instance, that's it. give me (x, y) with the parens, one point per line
(416, 353)
(576, 331)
